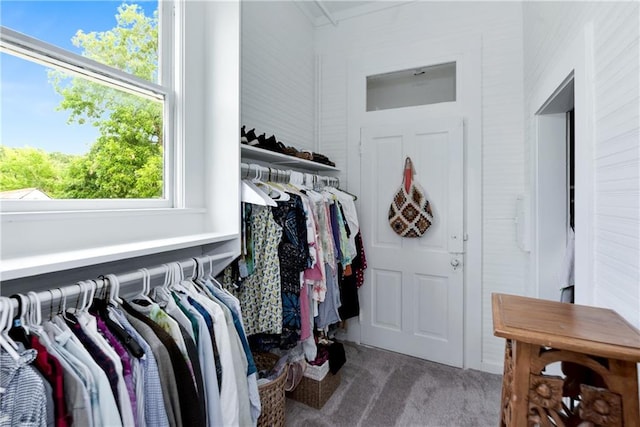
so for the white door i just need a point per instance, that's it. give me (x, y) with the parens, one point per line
(413, 301)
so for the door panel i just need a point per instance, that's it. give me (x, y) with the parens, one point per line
(431, 306)
(415, 302)
(387, 299)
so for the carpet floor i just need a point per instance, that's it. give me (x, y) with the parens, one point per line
(382, 388)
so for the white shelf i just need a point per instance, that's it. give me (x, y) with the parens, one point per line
(47, 263)
(273, 158)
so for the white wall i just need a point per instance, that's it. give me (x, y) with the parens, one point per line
(499, 25)
(522, 43)
(278, 72)
(550, 30)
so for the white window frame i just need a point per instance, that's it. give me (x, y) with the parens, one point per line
(206, 199)
(48, 55)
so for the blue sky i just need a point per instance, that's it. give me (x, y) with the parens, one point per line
(28, 100)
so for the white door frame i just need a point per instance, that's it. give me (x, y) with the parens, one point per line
(466, 52)
(577, 61)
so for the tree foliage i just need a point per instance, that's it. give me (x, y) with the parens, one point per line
(126, 160)
(34, 168)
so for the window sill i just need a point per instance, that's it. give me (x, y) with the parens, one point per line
(96, 213)
(47, 263)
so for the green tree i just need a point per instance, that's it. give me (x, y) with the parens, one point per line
(33, 168)
(126, 159)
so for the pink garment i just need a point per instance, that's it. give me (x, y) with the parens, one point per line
(314, 273)
(305, 323)
(314, 277)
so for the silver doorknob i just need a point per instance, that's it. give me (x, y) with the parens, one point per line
(455, 263)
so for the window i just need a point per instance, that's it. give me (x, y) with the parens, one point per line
(86, 104)
(196, 87)
(410, 88)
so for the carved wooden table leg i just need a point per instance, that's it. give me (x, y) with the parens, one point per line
(520, 391)
(507, 383)
(623, 380)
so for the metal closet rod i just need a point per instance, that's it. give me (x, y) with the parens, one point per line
(129, 279)
(252, 170)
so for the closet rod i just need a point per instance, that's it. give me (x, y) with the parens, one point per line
(251, 170)
(127, 280)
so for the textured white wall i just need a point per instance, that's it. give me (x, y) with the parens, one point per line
(549, 30)
(500, 27)
(520, 43)
(278, 72)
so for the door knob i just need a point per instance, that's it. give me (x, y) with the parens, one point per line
(455, 263)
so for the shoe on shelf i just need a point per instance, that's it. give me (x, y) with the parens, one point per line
(271, 144)
(261, 141)
(290, 151)
(306, 155)
(321, 158)
(252, 139)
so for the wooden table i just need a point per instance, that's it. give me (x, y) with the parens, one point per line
(598, 351)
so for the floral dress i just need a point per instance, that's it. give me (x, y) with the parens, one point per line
(259, 294)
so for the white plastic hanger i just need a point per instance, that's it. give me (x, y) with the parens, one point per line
(34, 318)
(146, 286)
(24, 309)
(296, 180)
(254, 195)
(114, 290)
(88, 290)
(64, 305)
(272, 192)
(6, 314)
(277, 192)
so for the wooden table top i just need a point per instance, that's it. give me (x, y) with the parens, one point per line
(591, 330)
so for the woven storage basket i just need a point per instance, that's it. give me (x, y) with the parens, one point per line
(315, 393)
(272, 398)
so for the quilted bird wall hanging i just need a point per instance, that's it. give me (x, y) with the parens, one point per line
(410, 212)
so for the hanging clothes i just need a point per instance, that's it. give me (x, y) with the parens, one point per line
(23, 399)
(260, 293)
(321, 263)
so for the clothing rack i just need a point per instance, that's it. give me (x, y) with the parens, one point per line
(130, 283)
(255, 171)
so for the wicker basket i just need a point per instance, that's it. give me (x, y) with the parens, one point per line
(272, 397)
(315, 393)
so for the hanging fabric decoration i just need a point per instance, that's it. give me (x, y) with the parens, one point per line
(410, 213)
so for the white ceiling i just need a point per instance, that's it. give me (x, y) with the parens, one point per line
(322, 12)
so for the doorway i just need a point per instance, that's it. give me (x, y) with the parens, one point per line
(555, 193)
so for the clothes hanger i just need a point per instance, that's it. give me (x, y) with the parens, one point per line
(64, 313)
(81, 313)
(114, 290)
(18, 329)
(90, 292)
(143, 297)
(180, 282)
(6, 313)
(251, 193)
(269, 190)
(34, 318)
(296, 180)
(282, 195)
(195, 275)
(115, 328)
(253, 183)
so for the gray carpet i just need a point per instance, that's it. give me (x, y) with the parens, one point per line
(381, 388)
